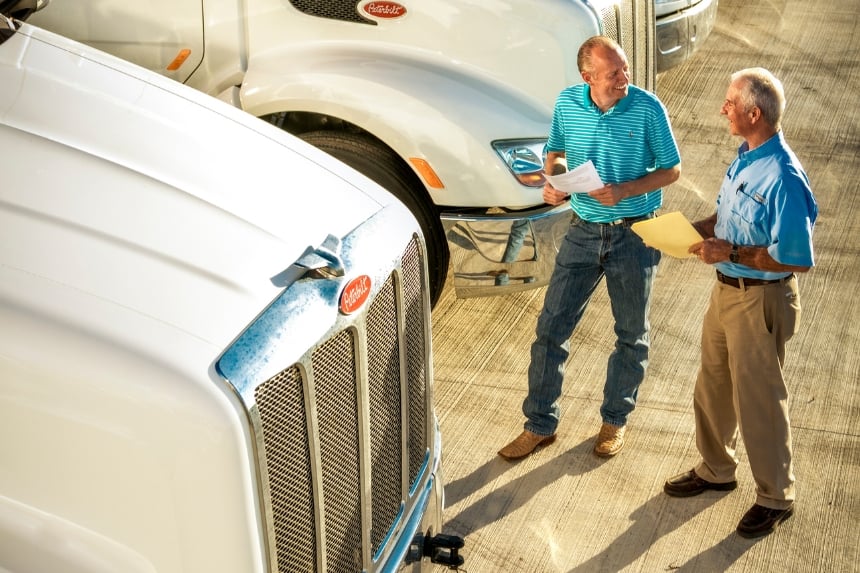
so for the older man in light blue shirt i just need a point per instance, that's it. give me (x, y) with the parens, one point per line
(759, 237)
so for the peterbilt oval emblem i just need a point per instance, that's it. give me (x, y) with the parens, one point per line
(384, 9)
(354, 294)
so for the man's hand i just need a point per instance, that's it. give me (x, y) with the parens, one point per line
(714, 250)
(711, 250)
(553, 196)
(609, 195)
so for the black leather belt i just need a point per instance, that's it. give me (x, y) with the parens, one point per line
(745, 282)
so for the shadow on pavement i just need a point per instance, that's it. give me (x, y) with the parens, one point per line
(516, 492)
(657, 517)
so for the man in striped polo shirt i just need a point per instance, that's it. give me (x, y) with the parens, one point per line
(625, 132)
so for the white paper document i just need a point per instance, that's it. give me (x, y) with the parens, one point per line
(579, 180)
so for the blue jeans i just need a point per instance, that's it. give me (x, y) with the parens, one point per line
(589, 252)
(519, 229)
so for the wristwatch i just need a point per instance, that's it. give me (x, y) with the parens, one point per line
(735, 255)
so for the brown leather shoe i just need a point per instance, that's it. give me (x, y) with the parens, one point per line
(526, 443)
(689, 484)
(760, 520)
(610, 440)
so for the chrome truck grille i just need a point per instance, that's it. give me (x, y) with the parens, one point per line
(345, 10)
(344, 433)
(631, 23)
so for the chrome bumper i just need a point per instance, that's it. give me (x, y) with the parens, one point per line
(679, 34)
(496, 254)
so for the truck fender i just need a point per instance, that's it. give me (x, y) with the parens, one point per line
(418, 105)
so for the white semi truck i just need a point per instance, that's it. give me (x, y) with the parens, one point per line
(203, 367)
(445, 103)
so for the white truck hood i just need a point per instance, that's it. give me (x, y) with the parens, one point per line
(140, 217)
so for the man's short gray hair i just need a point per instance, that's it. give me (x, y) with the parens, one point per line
(763, 90)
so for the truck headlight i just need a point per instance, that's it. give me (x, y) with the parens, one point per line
(525, 158)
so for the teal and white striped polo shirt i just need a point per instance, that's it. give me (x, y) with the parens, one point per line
(630, 140)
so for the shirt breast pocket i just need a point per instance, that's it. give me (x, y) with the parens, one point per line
(750, 210)
(751, 221)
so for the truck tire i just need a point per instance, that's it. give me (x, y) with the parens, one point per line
(369, 157)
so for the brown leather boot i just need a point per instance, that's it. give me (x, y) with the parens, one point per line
(525, 444)
(610, 440)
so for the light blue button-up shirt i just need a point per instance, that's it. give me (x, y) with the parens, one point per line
(766, 201)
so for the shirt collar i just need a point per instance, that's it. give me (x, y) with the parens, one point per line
(775, 142)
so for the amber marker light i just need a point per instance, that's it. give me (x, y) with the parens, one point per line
(533, 179)
(179, 59)
(426, 172)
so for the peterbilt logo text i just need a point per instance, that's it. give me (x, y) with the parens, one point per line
(384, 9)
(354, 294)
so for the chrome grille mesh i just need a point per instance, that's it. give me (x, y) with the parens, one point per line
(416, 350)
(344, 10)
(386, 420)
(282, 412)
(335, 379)
(609, 16)
(337, 389)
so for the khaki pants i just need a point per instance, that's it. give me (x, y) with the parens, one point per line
(740, 387)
